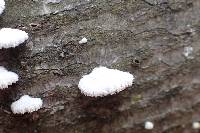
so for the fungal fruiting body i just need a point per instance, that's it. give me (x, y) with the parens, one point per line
(12, 37)
(188, 52)
(83, 40)
(7, 78)
(103, 81)
(2, 6)
(148, 125)
(26, 104)
(196, 125)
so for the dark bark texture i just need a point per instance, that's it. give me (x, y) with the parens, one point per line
(148, 38)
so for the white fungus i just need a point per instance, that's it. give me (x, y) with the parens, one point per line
(26, 104)
(187, 52)
(12, 37)
(103, 81)
(148, 125)
(7, 78)
(196, 125)
(83, 40)
(2, 6)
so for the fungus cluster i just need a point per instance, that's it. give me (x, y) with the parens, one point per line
(10, 38)
(103, 81)
(26, 104)
(7, 40)
(7, 78)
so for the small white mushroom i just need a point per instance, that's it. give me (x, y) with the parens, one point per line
(148, 125)
(187, 52)
(83, 40)
(26, 104)
(196, 125)
(12, 37)
(103, 81)
(7, 78)
(2, 6)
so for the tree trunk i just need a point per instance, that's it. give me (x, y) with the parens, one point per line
(156, 40)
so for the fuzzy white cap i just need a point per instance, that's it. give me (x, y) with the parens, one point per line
(148, 125)
(12, 37)
(2, 6)
(103, 81)
(188, 52)
(196, 125)
(26, 104)
(7, 78)
(83, 40)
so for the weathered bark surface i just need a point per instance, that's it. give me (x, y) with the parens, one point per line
(144, 37)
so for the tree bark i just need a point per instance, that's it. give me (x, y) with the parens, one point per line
(148, 38)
